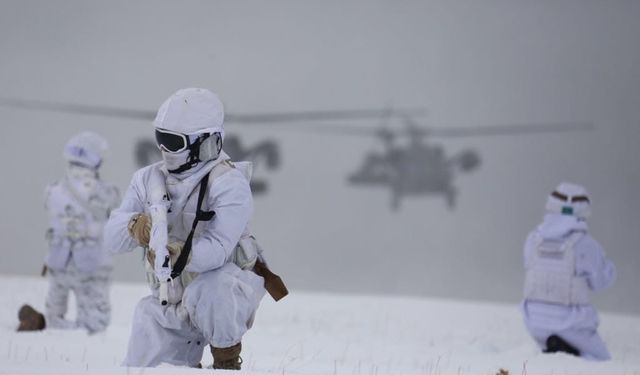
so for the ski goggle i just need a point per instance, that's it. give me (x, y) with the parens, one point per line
(171, 141)
(565, 198)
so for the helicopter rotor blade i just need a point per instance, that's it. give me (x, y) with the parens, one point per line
(339, 129)
(288, 117)
(506, 129)
(256, 118)
(79, 109)
(414, 130)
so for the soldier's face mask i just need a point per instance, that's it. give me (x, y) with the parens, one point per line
(182, 152)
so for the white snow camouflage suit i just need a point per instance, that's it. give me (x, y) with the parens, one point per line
(576, 320)
(218, 306)
(78, 206)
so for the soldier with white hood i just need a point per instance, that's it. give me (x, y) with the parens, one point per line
(190, 212)
(564, 264)
(78, 206)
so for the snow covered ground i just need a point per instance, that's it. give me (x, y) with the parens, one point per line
(323, 334)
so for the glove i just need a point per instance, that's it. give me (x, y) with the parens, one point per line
(175, 248)
(140, 228)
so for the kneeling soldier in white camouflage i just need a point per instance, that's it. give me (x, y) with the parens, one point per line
(78, 206)
(190, 212)
(564, 264)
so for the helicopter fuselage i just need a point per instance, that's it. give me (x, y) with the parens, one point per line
(416, 170)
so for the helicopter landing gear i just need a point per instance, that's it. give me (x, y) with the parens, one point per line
(395, 202)
(396, 197)
(450, 197)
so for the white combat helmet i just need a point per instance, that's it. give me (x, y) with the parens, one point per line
(87, 149)
(189, 128)
(570, 199)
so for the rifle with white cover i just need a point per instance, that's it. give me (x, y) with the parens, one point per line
(158, 207)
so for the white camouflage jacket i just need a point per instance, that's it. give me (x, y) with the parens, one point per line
(229, 195)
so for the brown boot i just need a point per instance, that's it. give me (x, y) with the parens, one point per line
(227, 358)
(30, 319)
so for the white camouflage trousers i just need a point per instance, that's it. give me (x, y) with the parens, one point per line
(91, 291)
(577, 325)
(217, 308)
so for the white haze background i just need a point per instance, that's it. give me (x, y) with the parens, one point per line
(468, 62)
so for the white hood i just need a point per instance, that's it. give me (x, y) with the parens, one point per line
(192, 112)
(568, 191)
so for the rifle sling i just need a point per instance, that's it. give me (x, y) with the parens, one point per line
(200, 216)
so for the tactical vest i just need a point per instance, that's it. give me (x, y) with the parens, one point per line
(551, 273)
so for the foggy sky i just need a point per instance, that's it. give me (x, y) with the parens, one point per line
(469, 63)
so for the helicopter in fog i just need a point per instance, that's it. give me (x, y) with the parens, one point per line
(422, 167)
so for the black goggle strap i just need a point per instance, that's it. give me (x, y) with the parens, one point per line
(200, 216)
(194, 150)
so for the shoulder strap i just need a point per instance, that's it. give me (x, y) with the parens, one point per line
(200, 216)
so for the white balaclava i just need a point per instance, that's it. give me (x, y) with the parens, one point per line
(570, 199)
(193, 112)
